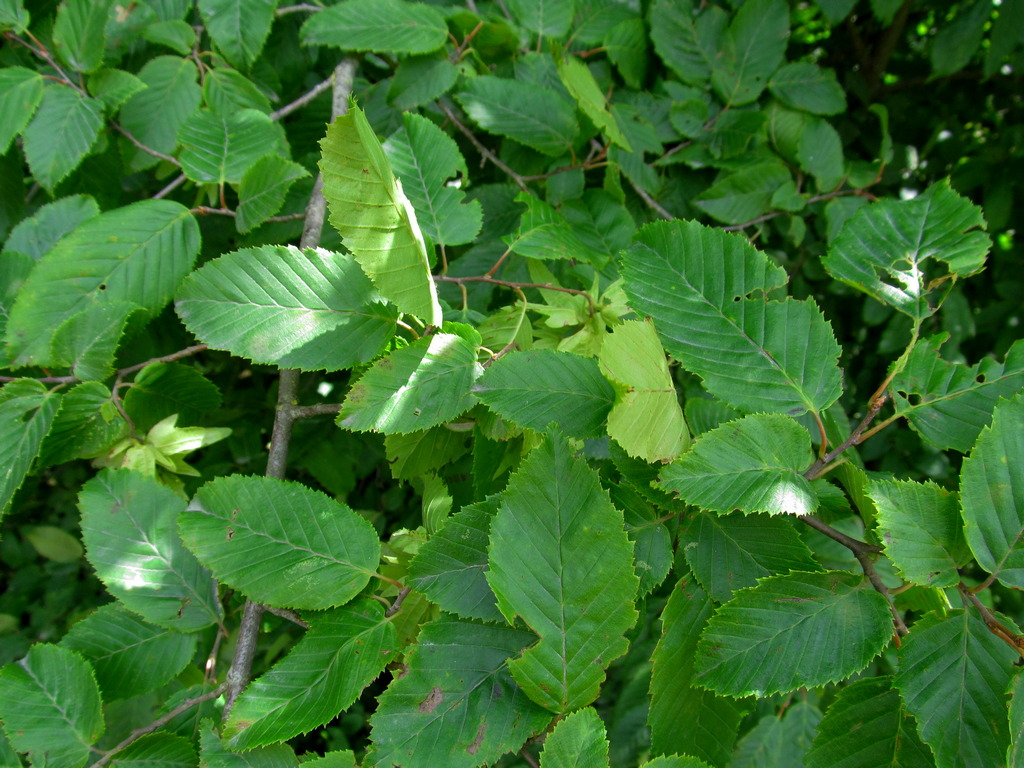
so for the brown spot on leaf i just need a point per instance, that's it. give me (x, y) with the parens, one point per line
(475, 746)
(430, 703)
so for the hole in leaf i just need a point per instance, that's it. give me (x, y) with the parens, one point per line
(103, 286)
(980, 378)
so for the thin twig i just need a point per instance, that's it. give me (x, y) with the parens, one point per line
(868, 565)
(178, 181)
(995, 626)
(142, 147)
(303, 100)
(855, 438)
(186, 352)
(854, 545)
(651, 202)
(509, 284)
(297, 9)
(516, 177)
(160, 722)
(318, 409)
(397, 605)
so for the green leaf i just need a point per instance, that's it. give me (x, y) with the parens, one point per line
(343, 652)
(383, 26)
(51, 706)
(129, 655)
(176, 34)
(263, 189)
(1014, 756)
(688, 43)
(743, 195)
(548, 18)
(576, 740)
(215, 755)
(222, 147)
(60, 135)
(1006, 34)
(419, 453)
(86, 343)
(27, 411)
(535, 116)
(959, 40)
(420, 80)
(80, 429)
(899, 251)
(154, 115)
(949, 403)
(755, 45)
(225, 91)
(457, 705)
(54, 543)
(684, 718)
(21, 90)
(114, 87)
(793, 631)
(311, 551)
(308, 309)
(731, 552)
(163, 389)
(157, 243)
(675, 761)
(870, 706)
(374, 217)
(131, 539)
(704, 290)
(424, 157)
(13, 16)
(450, 568)
(36, 235)
(79, 33)
(992, 494)
(646, 419)
(533, 389)
(821, 154)
(919, 525)
(545, 233)
(781, 739)
(574, 585)
(578, 80)
(416, 387)
(238, 27)
(806, 86)
(753, 464)
(626, 47)
(961, 713)
(157, 750)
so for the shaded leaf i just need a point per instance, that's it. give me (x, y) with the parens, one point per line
(27, 411)
(576, 740)
(754, 48)
(548, 18)
(743, 195)
(21, 90)
(61, 133)
(171, 92)
(86, 343)
(37, 234)
(157, 750)
(574, 585)
(687, 43)
(390, 26)
(781, 739)
(164, 389)
(806, 86)
(309, 550)
(419, 80)
(213, 753)
(80, 428)
(959, 40)
(263, 189)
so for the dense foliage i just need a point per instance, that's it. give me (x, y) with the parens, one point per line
(633, 406)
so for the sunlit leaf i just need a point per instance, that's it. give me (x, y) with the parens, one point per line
(61, 133)
(389, 26)
(21, 90)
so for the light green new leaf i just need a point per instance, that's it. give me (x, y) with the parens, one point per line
(730, 552)
(129, 655)
(213, 753)
(238, 27)
(311, 309)
(919, 525)
(683, 718)
(646, 419)
(280, 542)
(263, 189)
(383, 26)
(343, 652)
(806, 86)
(37, 234)
(155, 246)
(688, 43)
(579, 81)
(154, 115)
(743, 195)
(27, 410)
(870, 706)
(574, 585)
(577, 741)
(755, 45)
(79, 33)
(793, 631)
(545, 233)
(704, 290)
(222, 147)
(961, 713)
(753, 464)
(457, 705)
(157, 750)
(374, 217)
(62, 132)
(21, 90)
(53, 543)
(413, 388)
(532, 389)
(131, 539)
(450, 568)
(992, 494)
(535, 116)
(424, 157)
(548, 18)
(51, 706)
(949, 403)
(899, 251)
(80, 428)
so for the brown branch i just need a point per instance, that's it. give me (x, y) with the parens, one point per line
(397, 605)
(856, 437)
(995, 626)
(318, 409)
(142, 147)
(516, 177)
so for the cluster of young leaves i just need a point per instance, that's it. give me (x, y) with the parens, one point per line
(645, 534)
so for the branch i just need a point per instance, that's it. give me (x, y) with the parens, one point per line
(995, 626)
(142, 147)
(297, 9)
(509, 284)
(120, 373)
(303, 100)
(160, 722)
(651, 202)
(814, 471)
(517, 178)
